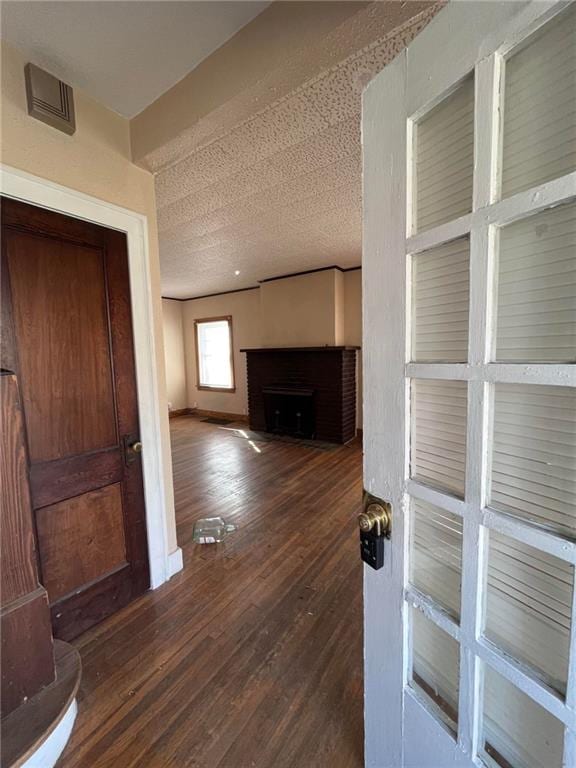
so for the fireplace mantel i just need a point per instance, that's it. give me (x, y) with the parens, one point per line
(329, 373)
(298, 349)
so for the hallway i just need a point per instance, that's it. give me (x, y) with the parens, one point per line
(252, 656)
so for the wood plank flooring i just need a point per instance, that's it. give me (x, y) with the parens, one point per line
(252, 656)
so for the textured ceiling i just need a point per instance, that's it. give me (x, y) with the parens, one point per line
(124, 54)
(278, 191)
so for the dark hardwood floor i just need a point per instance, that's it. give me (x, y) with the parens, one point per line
(252, 656)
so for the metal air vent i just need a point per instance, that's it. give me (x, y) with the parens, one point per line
(49, 99)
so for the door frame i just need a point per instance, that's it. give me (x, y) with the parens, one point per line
(34, 190)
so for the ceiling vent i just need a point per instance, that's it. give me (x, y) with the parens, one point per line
(49, 99)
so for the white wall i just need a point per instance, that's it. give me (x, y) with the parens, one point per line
(173, 325)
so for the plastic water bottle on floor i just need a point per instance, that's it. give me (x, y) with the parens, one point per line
(211, 530)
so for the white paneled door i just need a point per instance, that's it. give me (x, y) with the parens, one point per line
(469, 274)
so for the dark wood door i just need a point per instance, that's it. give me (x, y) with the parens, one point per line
(67, 332)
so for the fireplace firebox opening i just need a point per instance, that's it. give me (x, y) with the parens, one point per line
(290, 411)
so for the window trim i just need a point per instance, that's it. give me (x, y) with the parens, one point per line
(203, 387)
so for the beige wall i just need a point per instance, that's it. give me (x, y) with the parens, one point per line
(300, 311)
(340, 308)
(309, 310)
(353, 327)
(353, 307)
(248, 72)
(244, 307)
(96, 161)
(173, 323)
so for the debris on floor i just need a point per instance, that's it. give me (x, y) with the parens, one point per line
(211, 530)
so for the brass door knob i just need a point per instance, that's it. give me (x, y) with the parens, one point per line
(375, 517)
(136, 447)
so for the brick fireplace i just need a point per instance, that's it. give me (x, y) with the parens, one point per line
(303, 391)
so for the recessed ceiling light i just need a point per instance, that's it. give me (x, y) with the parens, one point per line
(236, 271)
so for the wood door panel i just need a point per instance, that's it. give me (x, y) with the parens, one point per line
(61, 328)
(67, 331)
(81, 540)
(18, 575)
(54, 481)
(91, 606)
(27, 650)
(25, 632)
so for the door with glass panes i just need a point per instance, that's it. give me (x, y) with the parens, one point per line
(469, 279)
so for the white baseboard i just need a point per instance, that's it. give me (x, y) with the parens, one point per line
(175, 562)
(49, 752)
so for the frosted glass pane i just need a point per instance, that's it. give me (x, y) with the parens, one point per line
(528, 606)
(539, 141)
(534, 454)
(214, 358)
(440, 298)
(536, 314)
(444, 153)
(438, 438)
(436, 563)
(517, 731)
(435, 666)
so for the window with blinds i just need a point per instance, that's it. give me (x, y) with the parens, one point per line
(528, 606)
(539, 132)
(436, 667)
(436, 563)
(534, 454)
(517, 731)
(536, 301)
(440, 302)
(444, 160)
(438, 434)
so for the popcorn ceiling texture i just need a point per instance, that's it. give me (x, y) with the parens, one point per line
(278, 190)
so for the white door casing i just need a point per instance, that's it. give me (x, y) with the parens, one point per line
(402, 727)
(46, 194)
